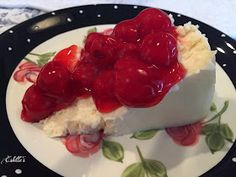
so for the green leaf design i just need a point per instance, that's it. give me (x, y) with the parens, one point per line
(217, 133)
(147, 167)
(152, 168)
(226, 132)
(213, 107)
(209, 128)
(155, 168)
(113, 150)
(219, 114)
(92, 30)
(42, 59)
(144, 135)
(29, 60)
(215, 142)
(134, 170)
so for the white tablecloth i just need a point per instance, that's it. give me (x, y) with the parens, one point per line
(220, 14)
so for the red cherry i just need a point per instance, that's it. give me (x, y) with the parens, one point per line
(138, 84)
(127, 31)
(153, 20)
(103, 92)
(173, 32)
(90, 38)
(54, 79)
(36, 105)
(127, 49)
(85, 74)
(104, 49)
(173, 74)
(159, 49)
(68, 57)
(65, 101)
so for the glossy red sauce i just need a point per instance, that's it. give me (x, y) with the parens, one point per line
(135, 66)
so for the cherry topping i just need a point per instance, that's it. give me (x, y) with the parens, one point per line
(127, 31)
(153, 20)
(54, 79)
(104, 49)
(68, 57)
(90, 38)
(84, 75)
(159, 49)
(138, 84)
(135, 66)
(128, 49)
(103, 92)
(36, 105)
(173, 74)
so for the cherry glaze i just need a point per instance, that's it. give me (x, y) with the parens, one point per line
(134, 66)
(36, 105)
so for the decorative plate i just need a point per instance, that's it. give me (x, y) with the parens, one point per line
(202, 149)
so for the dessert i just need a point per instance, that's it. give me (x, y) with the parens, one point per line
(147, 74)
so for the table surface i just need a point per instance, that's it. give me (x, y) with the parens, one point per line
(217, 13)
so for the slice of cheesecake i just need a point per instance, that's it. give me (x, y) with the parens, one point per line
(146, 74)
(186, 102)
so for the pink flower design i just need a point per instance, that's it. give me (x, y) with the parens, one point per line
(186, 135)
(27, 71)
(84, 145)
(108, 31)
